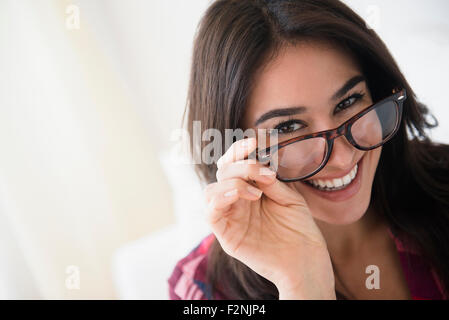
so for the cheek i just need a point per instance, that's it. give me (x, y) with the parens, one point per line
(370, 170)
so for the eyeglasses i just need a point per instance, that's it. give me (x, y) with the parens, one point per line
(301, 157)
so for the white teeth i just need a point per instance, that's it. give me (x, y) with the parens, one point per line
(335, 183)
(338, 182)
(353, 172)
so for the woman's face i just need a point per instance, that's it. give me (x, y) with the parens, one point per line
(309, 75)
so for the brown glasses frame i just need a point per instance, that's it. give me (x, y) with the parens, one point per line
(398, 97)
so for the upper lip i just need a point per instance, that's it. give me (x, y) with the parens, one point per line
(334, 176)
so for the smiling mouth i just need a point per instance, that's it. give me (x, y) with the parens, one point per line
(334, 184)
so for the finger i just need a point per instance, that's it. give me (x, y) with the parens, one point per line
(221, 204)
(222, 189)
(237, 151)
(246, 170)
(281, 193)
(216, 218)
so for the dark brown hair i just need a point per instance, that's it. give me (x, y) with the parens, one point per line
(236, 38)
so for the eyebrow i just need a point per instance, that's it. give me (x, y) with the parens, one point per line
(288, 111)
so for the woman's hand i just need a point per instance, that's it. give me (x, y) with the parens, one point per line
(269, 227)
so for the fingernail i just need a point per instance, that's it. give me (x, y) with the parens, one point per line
(254, 191)
(231, 193)
(246, 142)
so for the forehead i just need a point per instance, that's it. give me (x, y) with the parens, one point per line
(307, 74)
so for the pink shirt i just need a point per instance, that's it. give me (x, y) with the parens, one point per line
(188, 279)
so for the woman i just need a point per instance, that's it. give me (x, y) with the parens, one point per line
(355, 213)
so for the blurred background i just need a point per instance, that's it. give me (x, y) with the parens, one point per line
(94, 200)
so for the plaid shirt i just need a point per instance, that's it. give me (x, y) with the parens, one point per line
(188, 279)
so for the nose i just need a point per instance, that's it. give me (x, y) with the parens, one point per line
(342, 155)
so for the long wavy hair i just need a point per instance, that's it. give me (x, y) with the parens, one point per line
(236, 38)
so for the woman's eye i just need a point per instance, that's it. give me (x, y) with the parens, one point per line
(349, 101)
(288, 127)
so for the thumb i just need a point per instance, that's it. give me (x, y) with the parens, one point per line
(280, 192)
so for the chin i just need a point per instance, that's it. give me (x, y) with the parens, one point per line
(340, 214)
